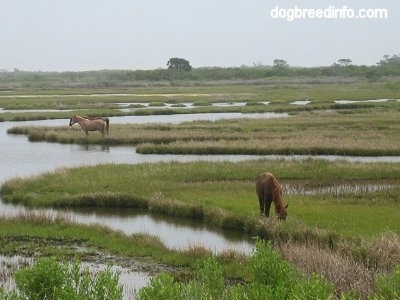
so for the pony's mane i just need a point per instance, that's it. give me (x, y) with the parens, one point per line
(277, 199)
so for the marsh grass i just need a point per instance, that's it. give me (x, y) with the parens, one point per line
(372, 133)
(280, 92)
(343, 271)
(222, 194)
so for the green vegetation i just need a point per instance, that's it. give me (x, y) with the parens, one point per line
(271, 278)
(20, 92)
(365, 133)
(348, 225)
(343, 217)
(190, 189)
(387, 66)
(49, 279)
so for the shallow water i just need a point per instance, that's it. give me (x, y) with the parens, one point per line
(19, 157)
(338, 188)
(175, 233)
(361, 101)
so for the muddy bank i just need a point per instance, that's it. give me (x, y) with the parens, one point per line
(34, 247)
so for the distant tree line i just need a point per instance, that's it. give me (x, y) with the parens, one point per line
(181, 70)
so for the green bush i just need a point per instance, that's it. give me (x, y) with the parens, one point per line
(49, 279)
(42, 281)
(162, 286)
(275, 278)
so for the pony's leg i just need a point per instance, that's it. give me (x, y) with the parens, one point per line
(262, 206)
(267, 207)
(265, 201)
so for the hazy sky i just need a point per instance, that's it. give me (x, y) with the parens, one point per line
(75, 35)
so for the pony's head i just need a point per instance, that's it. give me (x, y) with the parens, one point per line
(72, 120)
(281, 212)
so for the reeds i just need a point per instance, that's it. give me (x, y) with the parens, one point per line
(316, 133)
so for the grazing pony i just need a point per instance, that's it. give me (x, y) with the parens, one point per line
(93, 124)
(269, 190)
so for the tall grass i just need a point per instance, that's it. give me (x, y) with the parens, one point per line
(375, 133)
(271, 278)
(223, 194)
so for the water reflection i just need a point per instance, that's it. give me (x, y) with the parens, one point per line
(173, 232)
(93, 148)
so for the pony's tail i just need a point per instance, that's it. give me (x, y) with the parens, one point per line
(108, 124)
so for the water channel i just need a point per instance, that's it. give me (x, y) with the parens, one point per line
(21, 158)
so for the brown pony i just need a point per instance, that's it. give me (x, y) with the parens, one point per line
(269, 190)
(105, 119)
(95, 124)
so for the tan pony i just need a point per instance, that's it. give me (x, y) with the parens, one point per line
(269, 190)
(91, 124)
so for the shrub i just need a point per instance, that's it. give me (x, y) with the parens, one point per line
(49, 279)
(162, 286)
(42, 281)
(275, 278)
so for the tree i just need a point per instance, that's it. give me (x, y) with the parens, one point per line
(280, 63)
(344, 62)
(389, 61)
(176, 63)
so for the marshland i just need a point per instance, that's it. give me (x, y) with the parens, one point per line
(337, 162)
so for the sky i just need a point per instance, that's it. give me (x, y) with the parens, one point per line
(83, 35)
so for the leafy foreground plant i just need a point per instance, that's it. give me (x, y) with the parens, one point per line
(272, 278)
(49, 279)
